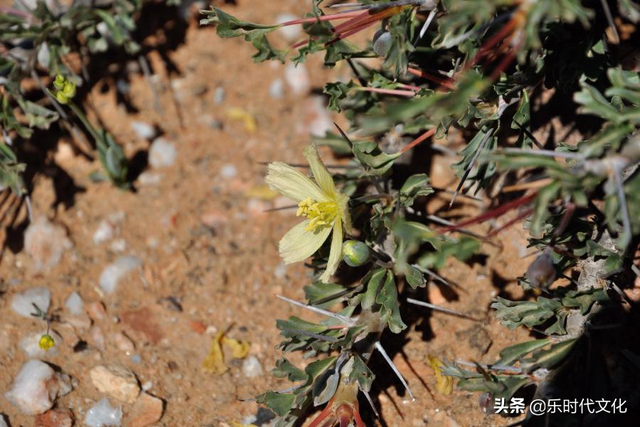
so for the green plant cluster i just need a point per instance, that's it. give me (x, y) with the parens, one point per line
(479, 70)
(37, 39)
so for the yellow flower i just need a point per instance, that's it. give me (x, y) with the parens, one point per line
(323, 206)
(46, 342)
(65, 89)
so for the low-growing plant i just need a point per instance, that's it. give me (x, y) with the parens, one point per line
(491, 73)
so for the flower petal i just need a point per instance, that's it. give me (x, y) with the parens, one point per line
(299, 244)
(291, 183)
(319, 171)
(335, 255)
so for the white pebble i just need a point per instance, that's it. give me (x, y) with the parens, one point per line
(22, 303)
(118, 245)
(251, 367)
(103, 414)
(143, 130)
(162, 153)
(290, 33)
(228, 171)
(29, 345)
(115, 271)
(276, 90)
(45, 243)
(3, 421)
(104, 232)
(149, 178)
(36, 387)
(297, 78)
(218, 95)
(74, 304)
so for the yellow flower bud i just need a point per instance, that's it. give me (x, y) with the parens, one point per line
(46, 342)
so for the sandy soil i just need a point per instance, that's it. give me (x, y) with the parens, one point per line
(207, 245)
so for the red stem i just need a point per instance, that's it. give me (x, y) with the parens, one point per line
(499, 211)
(440, 80)
(335, 16)
(511, 222)
(407, 93)
(419, 139)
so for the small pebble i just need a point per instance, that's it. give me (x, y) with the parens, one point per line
(162, 153)
(219, 95)
(36, 388)
(61, 417)
(290, 33)
(3, 421)
(143, 130)
(228, 171)
(117, 270)
(276, 89)
(104, 232)
(146, 411)
(298, 78)
(45, 243)
(149, 178)
(118, 245)
(102, 414)
(123, 343)
(74, 304)
(251, 367)
(116, 381)
(23, 302)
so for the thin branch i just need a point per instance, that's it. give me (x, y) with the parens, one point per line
(393, 368)
(347, 320)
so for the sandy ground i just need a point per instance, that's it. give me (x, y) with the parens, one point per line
(209, 251)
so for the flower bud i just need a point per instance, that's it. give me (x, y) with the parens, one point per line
(355, 253)
(382, 43)
(541, 272)
(46, 342)
(65, 89)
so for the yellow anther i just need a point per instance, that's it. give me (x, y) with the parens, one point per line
(320, 214)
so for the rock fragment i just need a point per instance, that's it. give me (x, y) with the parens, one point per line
(146, 411)
(23, 302)
(162, 153)
(55, 418)
(102, 414)
(45, 243)
(116, 381)
(36, 388)
(117, 270)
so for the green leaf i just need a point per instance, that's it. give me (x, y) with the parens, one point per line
(279, 403)
(284, 368)
(375, 161)
(361, 373)
(388, 299)
(550, 358)
(414, 277)
(516, 352)
(415, 186)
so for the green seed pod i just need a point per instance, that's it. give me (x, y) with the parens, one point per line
(355, 253)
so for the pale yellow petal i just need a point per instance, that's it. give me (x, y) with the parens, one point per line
(299, 244)
(343, 203)
(335, 255)
(319, 171)
(291, 183)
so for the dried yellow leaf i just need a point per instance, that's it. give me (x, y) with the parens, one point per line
(247, 119)
(239, 349)
(214, 362)
(444, 384)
